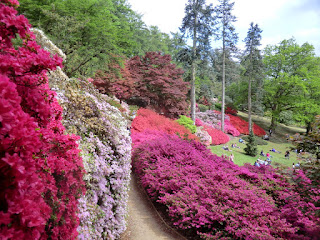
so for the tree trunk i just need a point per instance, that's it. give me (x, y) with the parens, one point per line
(249, 106)
(273, 123)
(193, 70)
(223, 82)
(309, 128)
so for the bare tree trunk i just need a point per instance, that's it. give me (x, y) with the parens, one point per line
(193, 70)
(223, 82)
(249, 106)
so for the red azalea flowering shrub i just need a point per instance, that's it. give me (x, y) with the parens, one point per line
(149, 120)
(231, 111)
(209, 197)
(243, 126)
(218, 137)
(40, 167)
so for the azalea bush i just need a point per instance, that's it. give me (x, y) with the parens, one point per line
(40, 166)
(243, 126)
(149, 120)
(203, 136)
(218, 137)
(209, 197)
(213, 119)
(101, 122)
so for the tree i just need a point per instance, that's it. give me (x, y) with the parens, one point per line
(89, 32)
(292, 74)
(197, 24)
(225, 31)
(252, 62)
(251, 146)
(148, 81)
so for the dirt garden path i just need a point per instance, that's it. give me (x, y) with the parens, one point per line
(144, 223)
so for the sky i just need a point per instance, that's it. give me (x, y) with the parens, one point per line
(278, 19)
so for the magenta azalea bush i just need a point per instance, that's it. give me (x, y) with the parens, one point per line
(209, 197)
(40, 167)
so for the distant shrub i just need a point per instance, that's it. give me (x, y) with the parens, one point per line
(203, 108)
(243, 126)
(231, 111)
(218, 137)
(187, 122)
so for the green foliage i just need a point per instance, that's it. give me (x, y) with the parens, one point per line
(258, 140)
(218, 106)
(187, 122)
(292, 81)
(251, 146)
(203, 108)
(94, 32)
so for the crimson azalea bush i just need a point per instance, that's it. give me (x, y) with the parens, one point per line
(149, 120)
(218, 137)
(209, 197)
(40, 167)
(243, 126)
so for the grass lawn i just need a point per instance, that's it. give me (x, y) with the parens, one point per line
(277, 141)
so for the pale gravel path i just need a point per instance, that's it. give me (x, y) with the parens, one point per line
(144, 223)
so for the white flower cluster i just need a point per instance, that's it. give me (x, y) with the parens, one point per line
(106, 151)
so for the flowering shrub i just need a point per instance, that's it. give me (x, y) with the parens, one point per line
(218, 137)
(211, 197)
(243, 126)
(147, 119)
(231, 111)
(106, 152)
(204, 136)
(213, 119)
(40, 167)
(187, 122)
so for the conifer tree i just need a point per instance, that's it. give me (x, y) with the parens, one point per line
(251, 146)
(252, 62)
(225, 31)
(197, 24)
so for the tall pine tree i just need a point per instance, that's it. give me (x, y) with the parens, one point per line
(197, 24)
(225, 31)
(252, 61)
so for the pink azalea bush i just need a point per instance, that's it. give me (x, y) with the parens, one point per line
(209, 197)
(40, 167)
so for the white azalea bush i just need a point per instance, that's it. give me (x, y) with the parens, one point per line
(106, 151)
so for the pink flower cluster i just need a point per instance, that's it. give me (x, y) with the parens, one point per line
(209, 197)
(40, 167)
